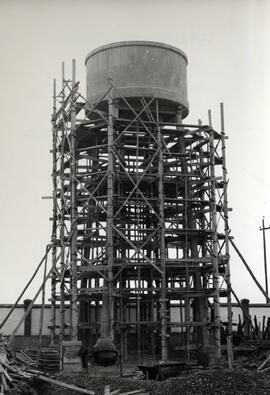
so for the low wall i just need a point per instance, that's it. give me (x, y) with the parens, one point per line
(259, 310)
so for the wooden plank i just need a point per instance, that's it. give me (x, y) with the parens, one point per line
(65, 385)
(137, 392)
(260, 368)
(115, 392)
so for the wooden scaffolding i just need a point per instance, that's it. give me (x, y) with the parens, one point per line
(140, 222)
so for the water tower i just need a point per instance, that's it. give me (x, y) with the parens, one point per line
(140, 222)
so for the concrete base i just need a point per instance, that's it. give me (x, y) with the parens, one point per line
(70, 358)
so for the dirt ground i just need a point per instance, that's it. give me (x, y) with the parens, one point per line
(201, 382)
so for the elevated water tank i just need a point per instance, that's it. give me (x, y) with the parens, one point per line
(139, 69)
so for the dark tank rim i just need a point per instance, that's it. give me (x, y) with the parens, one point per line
(136, 44)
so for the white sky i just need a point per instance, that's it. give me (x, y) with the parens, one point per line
(227, 44)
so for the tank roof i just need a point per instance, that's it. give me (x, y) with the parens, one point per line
(136, 43)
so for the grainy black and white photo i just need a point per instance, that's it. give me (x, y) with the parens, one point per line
(135, 197)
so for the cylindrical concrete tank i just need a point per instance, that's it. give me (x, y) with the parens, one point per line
(138, 69)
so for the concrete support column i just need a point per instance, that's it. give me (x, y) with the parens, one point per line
(28, 318)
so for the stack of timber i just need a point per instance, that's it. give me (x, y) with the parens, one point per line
(46, 359)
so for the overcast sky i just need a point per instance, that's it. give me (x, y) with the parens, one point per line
(227, 44)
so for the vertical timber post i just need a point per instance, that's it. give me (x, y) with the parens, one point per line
(73, 253)
(263, 228)
(62, 217)
(215, 243)
(227, 243)
(110, 217)
(54, 224)
(184, 170)
(163, 299)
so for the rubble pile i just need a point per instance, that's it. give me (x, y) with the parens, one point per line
(216, 382)
(200, 382)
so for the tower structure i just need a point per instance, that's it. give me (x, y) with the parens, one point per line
(140, 220)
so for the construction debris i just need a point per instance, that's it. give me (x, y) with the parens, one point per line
(19, 377)
(199, 382)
